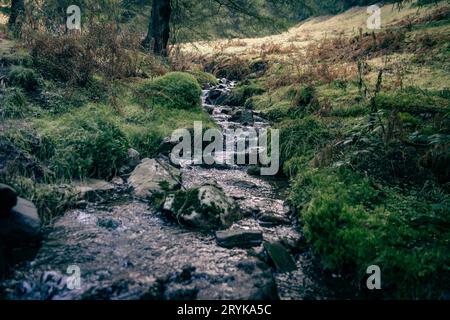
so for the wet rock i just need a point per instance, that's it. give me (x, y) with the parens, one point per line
(167, 146)
(254, 171)
(94, 190)
(109, 224)
(168, 204)
(118, 181)
(280, 256)
(215, 96)
(153, 176)
(181, 292)
(270, 219)
(239, 238)
(210, 109)
(20, 235)
(245, 184)
(226, 110)
(22, 226)
(133, 160)
(244, 117)
(8, 199)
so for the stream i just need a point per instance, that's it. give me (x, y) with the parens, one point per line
(124, 249)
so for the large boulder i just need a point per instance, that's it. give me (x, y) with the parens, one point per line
(153, 176)
(8, 199)
(21, 226)
(205, 207)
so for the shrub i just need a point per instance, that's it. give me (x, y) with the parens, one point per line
(174, 90)
(24, 78)
(63, 59)
(87, 143)
(354, 110)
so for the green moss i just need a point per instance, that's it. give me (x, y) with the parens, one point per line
(409, 119)
(351, 225)
(24, 78)
(204, 78)
(355, 110)
(242, 93)
(176, 90)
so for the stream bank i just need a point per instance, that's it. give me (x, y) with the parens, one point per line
(126, 249)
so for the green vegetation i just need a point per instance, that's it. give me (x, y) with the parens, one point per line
(54, 133)
(352, 225)
(24, 78)
(204, 78)
(242, 93)
(364, 118)
(175, 90)
(368, 164)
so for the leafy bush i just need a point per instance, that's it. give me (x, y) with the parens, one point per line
(24, 78)
(87, 143)
(174, 90)
(63, 59)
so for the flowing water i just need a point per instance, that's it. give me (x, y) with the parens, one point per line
(124, 249)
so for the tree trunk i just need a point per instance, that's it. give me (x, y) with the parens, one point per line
(159, 27)
(17, 12)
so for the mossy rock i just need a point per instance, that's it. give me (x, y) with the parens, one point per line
(205, 79)
(176, 90)
(205, 208)
(242, 93)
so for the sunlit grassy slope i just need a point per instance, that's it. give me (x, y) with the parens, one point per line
(315, 29)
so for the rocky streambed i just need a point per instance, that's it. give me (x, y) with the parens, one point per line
(120, 245)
